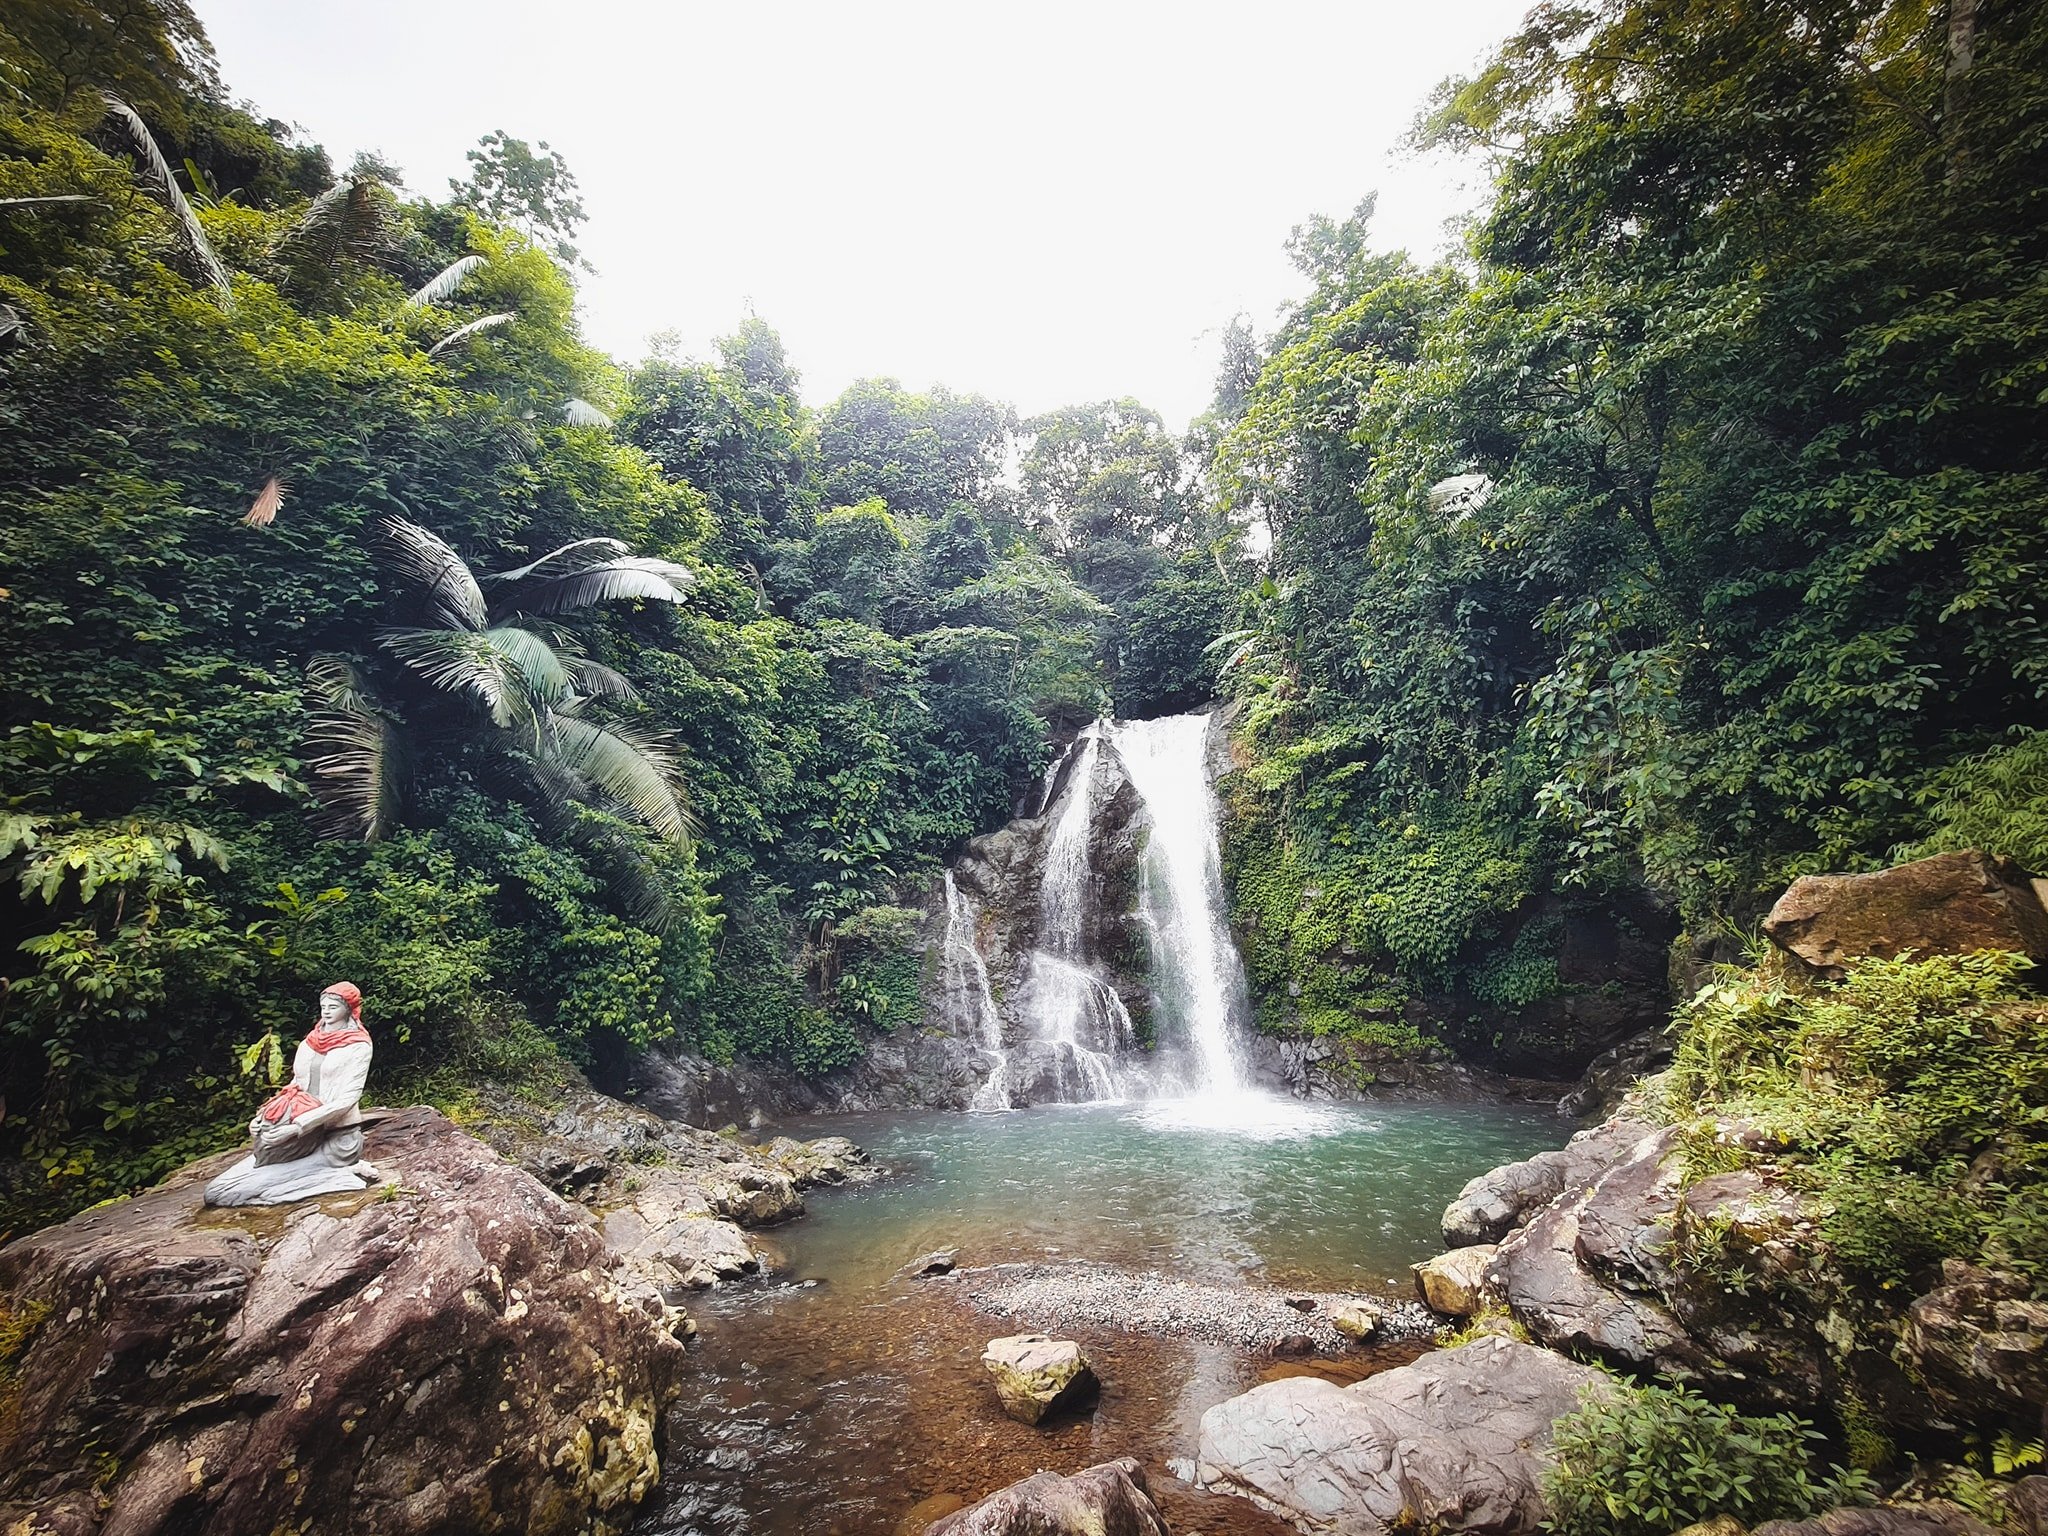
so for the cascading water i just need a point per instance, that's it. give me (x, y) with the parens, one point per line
(1073, 1011)
(1197, 975)
(964, 974)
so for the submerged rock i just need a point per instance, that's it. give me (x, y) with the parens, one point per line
(1453, 1442)
(1036, 1375)
(457, 1352)
(1497, 1202)
(942, 1261)
(1454, 1283)
(1950, 904)
(1107, 1500)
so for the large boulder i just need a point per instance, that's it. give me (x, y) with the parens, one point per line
(1598, 1274)
(1453, 1442)
(1035, 1375)
(455, 1353)
(1108, 1500)
(1494, 1204)
(1950, 904)
(1979, 1342)
(1935, 1518)
(1454, 1283)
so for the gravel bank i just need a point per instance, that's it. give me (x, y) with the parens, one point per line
(1060, 1298)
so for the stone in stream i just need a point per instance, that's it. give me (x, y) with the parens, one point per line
(1454, 1283)
(941, 1261)
(1356, 1321)
(1036, 1375)
(1107, 1500)
(1453, 1442)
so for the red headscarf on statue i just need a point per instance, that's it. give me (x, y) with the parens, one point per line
(324, 1040)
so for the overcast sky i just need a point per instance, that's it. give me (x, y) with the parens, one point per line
(1052, 203)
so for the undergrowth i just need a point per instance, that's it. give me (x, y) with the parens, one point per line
(1909, 1101)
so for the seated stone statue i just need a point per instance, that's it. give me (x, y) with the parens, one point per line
(308, 1135)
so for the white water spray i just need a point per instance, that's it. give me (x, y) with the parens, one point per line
(964, 975)
(1197, 974)
(1073, 1010)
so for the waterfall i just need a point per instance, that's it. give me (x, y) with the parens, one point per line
(1074, 1011)
(964, 975)
(1197, 974)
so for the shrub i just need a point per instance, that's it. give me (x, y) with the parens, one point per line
(1646, 1461)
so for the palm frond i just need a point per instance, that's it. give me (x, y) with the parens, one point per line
(463, 332)
(631, 767)
(581, 413)
(10, 321)
(347, 219)
(158, 172)
(661, 581)
(445, 282)
(263, 511)
(353, 755)
(595, 680)
(429, 560)
(32, 202)
(460, 661)
(574, 556)
(531, 663)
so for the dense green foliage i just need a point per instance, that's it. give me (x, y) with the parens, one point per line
(1646, 1461)
(1692, 526)
(1909, 1103)
(362, 621)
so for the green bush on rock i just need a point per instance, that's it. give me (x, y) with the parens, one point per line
(1647, 1461)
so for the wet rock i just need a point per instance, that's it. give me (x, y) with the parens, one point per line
(1107, 1500)
(2029, 1503)
(1292, 1347)
(1979, 1342)
(1035, 1375)
(1454, 1283)
(1950, 904)
(1610, 1075)
(830, 1160)
(1453, 1442)
(677, 1248)
(1494, 1204)
(943, 1261)
(1938, 1518)
(1356, 1321)
(457, 1354)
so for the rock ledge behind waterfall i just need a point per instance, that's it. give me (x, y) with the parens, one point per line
(458, 1353)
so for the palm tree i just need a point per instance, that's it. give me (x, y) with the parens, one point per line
(494, 673)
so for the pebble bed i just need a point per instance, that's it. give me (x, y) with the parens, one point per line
(1059, 1298)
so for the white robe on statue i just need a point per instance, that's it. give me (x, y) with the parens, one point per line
(315, 1152)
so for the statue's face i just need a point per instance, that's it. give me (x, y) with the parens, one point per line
(333, 1011)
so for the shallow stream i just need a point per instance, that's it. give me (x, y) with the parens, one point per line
(839, 1399)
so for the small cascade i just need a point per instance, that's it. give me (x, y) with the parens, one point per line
(1072, 1010)
(1197, 974)
(969, 998)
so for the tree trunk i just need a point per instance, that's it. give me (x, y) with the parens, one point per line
(1962, 54)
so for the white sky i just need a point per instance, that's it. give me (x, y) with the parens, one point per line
(1046, 204)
